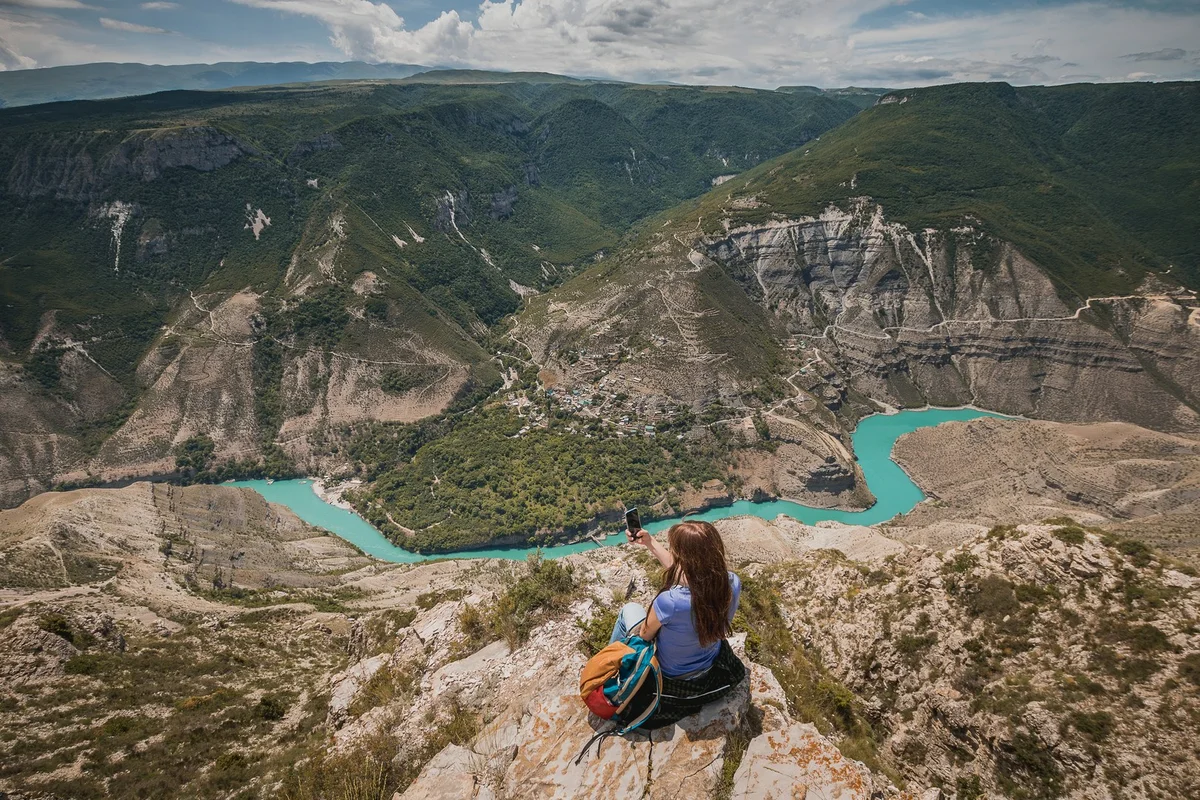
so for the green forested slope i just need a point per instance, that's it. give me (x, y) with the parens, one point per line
(1096, 183)
(543, 175)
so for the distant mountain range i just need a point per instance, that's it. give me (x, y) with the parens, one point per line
(99, 81)
(102, 81)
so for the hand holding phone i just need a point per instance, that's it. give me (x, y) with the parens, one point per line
(633, 527)
(640, 536)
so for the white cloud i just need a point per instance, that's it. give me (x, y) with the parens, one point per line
(358, 27)
(159, 6)
(754, 42)
(11, 59)
(130, 27)
(44, 4)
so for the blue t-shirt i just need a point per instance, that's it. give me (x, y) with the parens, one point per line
(679, 650)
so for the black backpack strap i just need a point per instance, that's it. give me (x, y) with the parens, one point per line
(599, 738)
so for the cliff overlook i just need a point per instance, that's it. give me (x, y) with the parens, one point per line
(199, 641)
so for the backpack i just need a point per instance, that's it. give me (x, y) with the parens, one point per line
(622, 682)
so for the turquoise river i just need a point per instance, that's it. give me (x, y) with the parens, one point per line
(873, 440)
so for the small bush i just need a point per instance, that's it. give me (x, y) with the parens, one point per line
(1071, 535)
(547, 584)
(1035, 593)
(992, 597)
(962, 563)
(397, 381)
(390, 682)
(1189, 668)
(596, 631)
(427, 600)
(1097, 725)
(838, 701)
(272, 707)
(365, 771)
(1140, 638)
(89, 664)
(1136, 551)
(58, 625)
(969, 788)
(195, 453)
(1027, 769)
(911, 646)
(474, 628)
(9, 617)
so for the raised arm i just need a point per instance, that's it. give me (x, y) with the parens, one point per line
(642, 536)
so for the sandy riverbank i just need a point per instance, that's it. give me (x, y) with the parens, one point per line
(332, 493)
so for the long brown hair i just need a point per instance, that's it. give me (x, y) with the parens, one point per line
(699, 557)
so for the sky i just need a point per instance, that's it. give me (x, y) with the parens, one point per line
(761, 43)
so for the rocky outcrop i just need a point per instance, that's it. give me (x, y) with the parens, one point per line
(453, 212)
(503, 202)
(532, 752)
(951, 317)
(326, 141)
(1047, 657)
(80, 167)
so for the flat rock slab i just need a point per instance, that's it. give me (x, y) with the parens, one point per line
(798, 763)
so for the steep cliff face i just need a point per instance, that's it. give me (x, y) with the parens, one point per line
(82, 166)
(956, 316)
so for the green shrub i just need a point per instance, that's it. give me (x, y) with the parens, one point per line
(363, 771)
(1096, 725)
(992, 597)
(396, 381)
(1189, 668)
(1071, 535)
(969, 788)
(547, 584)
(58, 625)
(1028, 770)
(8, 617)
(195, 453)
(962, 563)
(597, 630)
(90, 663)
(911, 646)
(1000, 532)
(1144, 638)
(43, 366)
(389, 683)
(272, 706)
(1135, 550)
(427, 600)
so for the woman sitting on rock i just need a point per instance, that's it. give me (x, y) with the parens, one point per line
(692, 614)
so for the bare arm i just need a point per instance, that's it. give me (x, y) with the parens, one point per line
(650, 626)
(642, 536)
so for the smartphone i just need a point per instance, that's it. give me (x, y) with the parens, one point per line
(633, 520)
